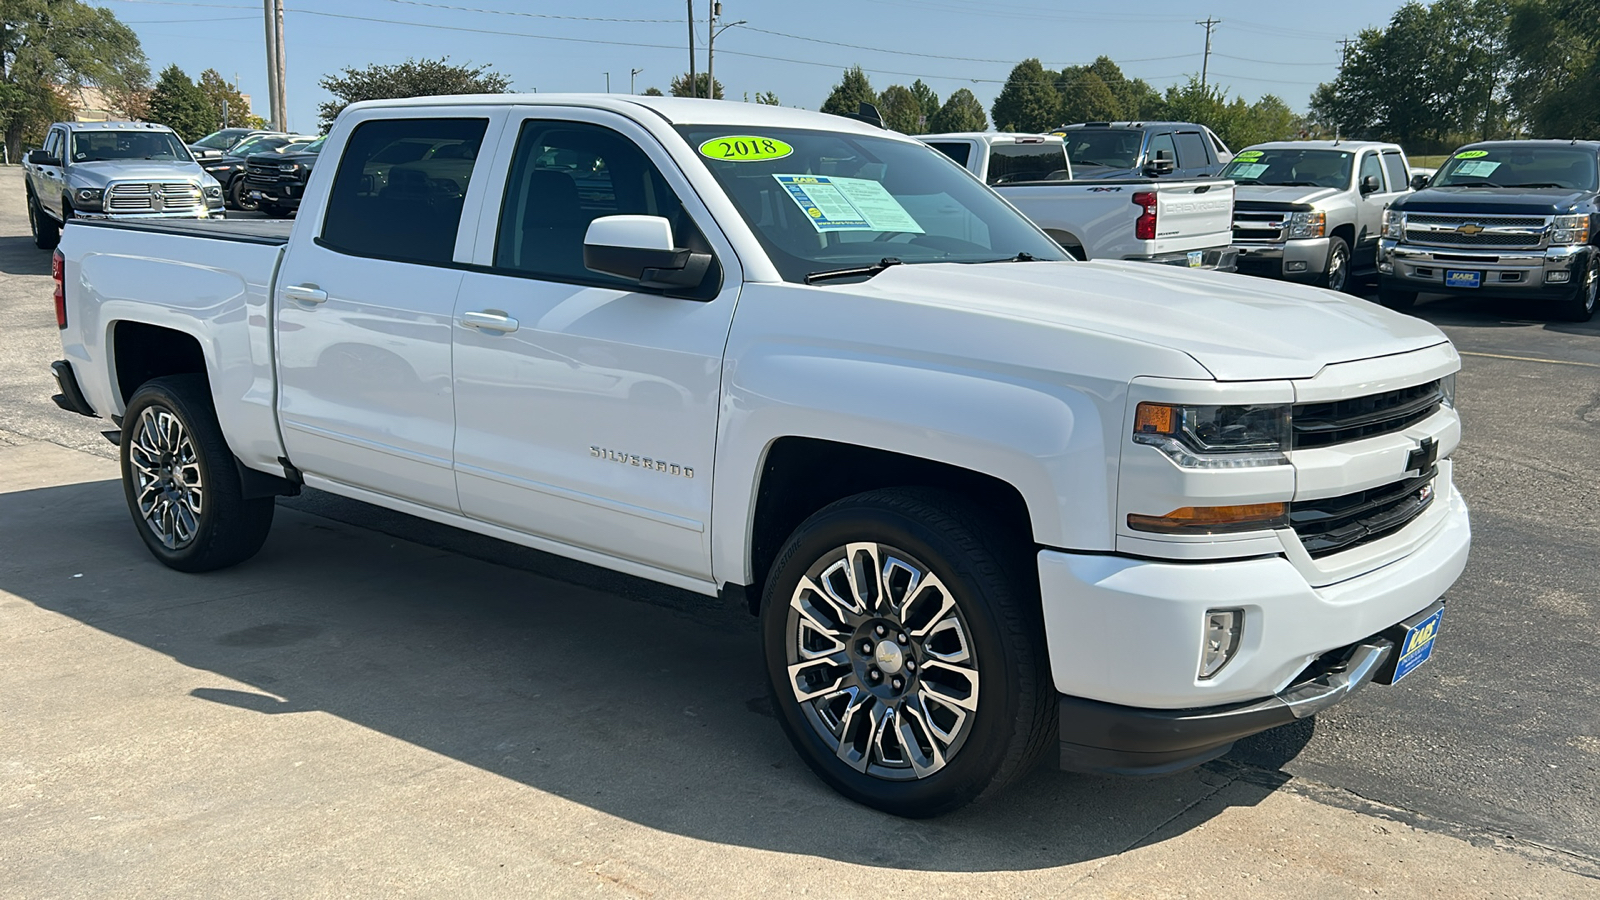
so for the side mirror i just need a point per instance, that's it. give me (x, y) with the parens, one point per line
(1370, 185)
(206, 153)
(640, 248)
(1419, 181)
(43, 158)
(1162, 164)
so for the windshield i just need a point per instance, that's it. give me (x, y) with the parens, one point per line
(1113, 148)
(95, 146)
(1519, 166)
(221, 140)
(315, 146)
(1290, 166)
(821, 200)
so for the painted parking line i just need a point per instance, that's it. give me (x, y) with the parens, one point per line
(1534, 359)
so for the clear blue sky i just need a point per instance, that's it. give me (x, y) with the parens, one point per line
(1280, 48)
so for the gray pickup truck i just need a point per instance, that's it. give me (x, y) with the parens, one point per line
(114, 170)
(1312, 211)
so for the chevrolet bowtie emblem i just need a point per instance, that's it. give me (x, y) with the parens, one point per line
(1469, 228)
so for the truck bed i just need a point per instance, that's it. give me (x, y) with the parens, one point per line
(251, 231)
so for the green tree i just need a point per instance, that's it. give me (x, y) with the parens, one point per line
(221, 95)
(179, 104)
(962, 112)
(49, 48)
(1086, 97)
(1029, 100)
(901, 110)
(927, 98)
(767, 99)
(847, 96)
(680, 86)
(412, 78)
(1555, 50)
(653, 92)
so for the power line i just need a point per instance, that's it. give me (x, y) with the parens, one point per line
(530, 15)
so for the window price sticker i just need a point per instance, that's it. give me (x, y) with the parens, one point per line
(847, 204)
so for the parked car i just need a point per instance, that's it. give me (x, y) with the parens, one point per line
(113, 169)
(990, 503)
(1511, 219)
(1114, 150)
(229, 168)
(217, 143)
(276, 182)
(1312, 211)
(1156, 219)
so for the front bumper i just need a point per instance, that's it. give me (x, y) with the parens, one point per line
(1299, 260)
(1550, 273)
(215, 212)
(1221, 259)
(284, 195)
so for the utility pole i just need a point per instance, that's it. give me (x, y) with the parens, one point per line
(1205, 63)
(608, 82)
(632, 89)
(282, 112)
(272, 65)
(711, 42)
(693, 90)
(1344, 50)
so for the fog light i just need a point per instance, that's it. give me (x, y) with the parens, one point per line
(1296, 266)
(1386, 266)
(1557, 277)
(1222, 630)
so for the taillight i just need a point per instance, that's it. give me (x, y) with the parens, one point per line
(1145, 228)
(58, 271)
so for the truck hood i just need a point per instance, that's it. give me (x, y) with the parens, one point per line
(100, 174)
(1239, 328)
(1507, 201)
(1279, 196)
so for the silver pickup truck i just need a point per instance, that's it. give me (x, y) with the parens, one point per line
(113, 170)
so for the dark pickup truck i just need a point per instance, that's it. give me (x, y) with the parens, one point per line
(277, 181)
(1509, 219)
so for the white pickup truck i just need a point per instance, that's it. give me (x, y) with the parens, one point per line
(1179, 222)
(988, 501)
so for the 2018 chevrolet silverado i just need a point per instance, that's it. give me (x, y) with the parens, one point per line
(1163, 220)
(1513, 219)
(988, 502)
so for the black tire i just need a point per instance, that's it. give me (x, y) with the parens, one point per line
(1395, 298)
(226, 529)
(237, 198)
(995, 592)
(277, 212)
(1579, 306)
(1336, 271)
(46, 232)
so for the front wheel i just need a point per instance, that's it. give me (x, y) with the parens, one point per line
(236, 194)
(905, 652)
(180, 482)
(1580, 304)
(1336, 272)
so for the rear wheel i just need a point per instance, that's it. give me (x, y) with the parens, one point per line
(46, 233)
(905, 652)
(1395, 298)
(1580, 304)
(180, 482)
(1336, 272)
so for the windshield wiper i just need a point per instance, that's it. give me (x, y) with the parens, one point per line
(1536, 184)
(853, 271)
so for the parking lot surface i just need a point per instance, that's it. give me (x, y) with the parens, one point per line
(378, 706)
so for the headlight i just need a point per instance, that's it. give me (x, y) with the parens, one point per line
(214, 192)
(1307, 224)
(289, 167)
(1394, 222)
(1570, 229)
(1447, 390)
(1215, 437)
(89, 195)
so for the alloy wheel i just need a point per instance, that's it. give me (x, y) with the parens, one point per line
(166, 471)
(881, 661)
(1338, 270)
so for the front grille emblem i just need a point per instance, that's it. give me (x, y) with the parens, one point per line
(1469, 228)
(1424, 457)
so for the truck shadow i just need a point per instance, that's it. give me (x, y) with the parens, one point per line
(1483, 312)
(655, 712)
(18, 256)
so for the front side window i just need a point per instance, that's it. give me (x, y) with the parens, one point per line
(221, 140)
(1292, 167)
(823, 200)
(1110, 148)
(1162, 143)
(1191, 150)
(52, 144)
(406, 211)
(97, 146)
(1519, 167)
(1011, 163)
(1372, 168)
(566, 175)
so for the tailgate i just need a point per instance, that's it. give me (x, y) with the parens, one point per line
(1192, 215)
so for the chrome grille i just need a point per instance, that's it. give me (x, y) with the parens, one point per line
(1494, 232)
(150, 197)
(1342, 421)
(1266, 226)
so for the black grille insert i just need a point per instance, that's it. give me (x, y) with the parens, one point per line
(1341, 421)
(1342, 523)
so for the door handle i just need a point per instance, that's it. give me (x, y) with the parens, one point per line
(305, 293)
(494, 321)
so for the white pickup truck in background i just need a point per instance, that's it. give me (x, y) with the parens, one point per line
(1181, 222)
(989, 502)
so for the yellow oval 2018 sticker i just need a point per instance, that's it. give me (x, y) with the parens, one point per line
(1471, 154)
(745, 148)
(1247, 155)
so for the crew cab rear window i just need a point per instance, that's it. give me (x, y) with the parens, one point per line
(1399, 177)
(960, 151)
(1011, 163)
(399, 188)
(1192, 150)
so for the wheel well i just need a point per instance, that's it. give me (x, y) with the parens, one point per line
(802, 475)
(1068, 241)
(145, 351)
(1348, 232)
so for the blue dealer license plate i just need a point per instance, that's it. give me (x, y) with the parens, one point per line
(1454, 278)
(1418, 645)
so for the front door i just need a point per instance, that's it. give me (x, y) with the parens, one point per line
(365, 306)
(586, 408)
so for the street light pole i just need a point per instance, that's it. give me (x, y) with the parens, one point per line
(692, 90)
(711, 42)
(632, 88)
(608, 82)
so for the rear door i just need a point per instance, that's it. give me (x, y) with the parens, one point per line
(1195, 157)
(365, 303)
(586, 407)
(1369, 217)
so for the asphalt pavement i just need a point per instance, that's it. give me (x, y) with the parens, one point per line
(378, 701)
